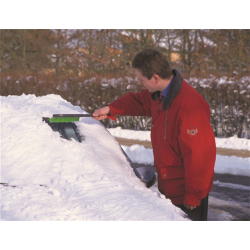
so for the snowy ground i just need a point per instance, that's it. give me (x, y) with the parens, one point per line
(61, 180)
(231, 143)
(224, 164)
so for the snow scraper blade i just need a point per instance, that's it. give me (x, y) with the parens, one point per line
(64, 124)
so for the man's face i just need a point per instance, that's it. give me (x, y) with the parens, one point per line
(150, 85)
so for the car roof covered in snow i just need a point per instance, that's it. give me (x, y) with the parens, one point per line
(59, 179)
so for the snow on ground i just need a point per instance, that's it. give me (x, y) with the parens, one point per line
(57, 179)
(230, 143)
(232, 165)
(232, 185)
(130, 134)
(224, 164)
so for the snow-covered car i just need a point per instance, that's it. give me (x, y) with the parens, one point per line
(64, 124)
(47, 177)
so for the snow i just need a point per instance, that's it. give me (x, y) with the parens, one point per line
(231, 185)
(233, 143)
(230, 143)
(61, 180)
(130, 134)
(223, 165)
(232, 165)
(139, 154)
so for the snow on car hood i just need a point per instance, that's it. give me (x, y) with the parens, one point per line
(57, 179)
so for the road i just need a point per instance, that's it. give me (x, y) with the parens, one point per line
(229, 199)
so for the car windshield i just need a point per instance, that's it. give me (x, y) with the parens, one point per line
(70, 133)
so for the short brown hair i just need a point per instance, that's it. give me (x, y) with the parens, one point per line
(151, 61)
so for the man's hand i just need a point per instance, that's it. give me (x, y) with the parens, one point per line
(189, 207)
(101, 113)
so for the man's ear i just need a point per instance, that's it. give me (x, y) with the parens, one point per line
(156, 78)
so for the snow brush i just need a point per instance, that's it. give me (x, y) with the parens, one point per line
(72, 117)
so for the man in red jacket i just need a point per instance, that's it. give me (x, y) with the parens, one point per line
(182, 138)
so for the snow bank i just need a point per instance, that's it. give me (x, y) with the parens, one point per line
(233, 143)
(232, 165)
(130, 134)
(223, 165)
(230, 143)
(57, 179)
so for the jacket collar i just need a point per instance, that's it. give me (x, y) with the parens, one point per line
(173, 92)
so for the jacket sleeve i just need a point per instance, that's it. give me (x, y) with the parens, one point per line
(197, 145)
(132, 104)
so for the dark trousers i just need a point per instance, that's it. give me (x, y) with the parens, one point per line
(199, 213)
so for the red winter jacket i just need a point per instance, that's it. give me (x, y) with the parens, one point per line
(182, 139)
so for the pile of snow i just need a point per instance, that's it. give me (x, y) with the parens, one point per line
(233, 143)
(139, 154)
(232, 165)
(223, 165)
(57, 179)
(130, 134)
(230, 143)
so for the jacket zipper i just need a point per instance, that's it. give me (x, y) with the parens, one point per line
(166, 124)
(157, 105)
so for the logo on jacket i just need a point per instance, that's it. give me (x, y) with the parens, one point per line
(192, 131)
